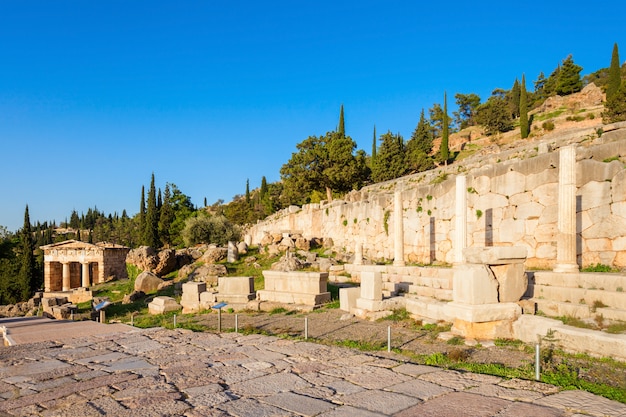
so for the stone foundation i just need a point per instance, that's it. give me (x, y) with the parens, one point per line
(304, 288)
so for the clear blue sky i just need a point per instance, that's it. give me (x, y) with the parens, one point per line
(95, 96)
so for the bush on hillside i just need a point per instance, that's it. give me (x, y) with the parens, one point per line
(209, 229)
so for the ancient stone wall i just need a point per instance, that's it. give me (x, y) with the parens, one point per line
(509, 203)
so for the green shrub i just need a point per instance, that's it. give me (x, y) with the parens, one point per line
(548, 125)
(209, 229)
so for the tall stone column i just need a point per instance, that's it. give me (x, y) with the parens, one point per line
(47, 271)
(460, 226)
(398, 230)
(66, 276)
(358, 253)
(85, 282)
(566, 238)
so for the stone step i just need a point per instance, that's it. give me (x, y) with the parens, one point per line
(580, 311)
(591, 297)
(425, 307)
(430, 292)
(587, 280)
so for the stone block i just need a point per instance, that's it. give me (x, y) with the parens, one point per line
(307, 288)
(474, 284)
(162, 304)
(348, 297)
(194, 288)
(371, 286)
(513, 281)
(496, 255)
(368, 305)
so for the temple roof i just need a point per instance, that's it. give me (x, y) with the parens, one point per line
(76, 244)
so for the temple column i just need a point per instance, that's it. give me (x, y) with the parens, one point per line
(566, 237)
(85, 282)
(46, 276)
(460, 228)
(398, 230)
(66, 276)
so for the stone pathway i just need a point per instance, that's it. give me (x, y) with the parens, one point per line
(159, 372)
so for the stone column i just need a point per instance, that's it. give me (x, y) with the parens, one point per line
(47, 271)
(398, 230)
(460, 227)
(85, 282)
(566, 238)
(358, 253)
(66, 276)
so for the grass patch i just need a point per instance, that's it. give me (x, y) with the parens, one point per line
(599, 268)
(277, 310)
(397, 315)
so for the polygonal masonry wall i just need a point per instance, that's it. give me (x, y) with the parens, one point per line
(511, 203)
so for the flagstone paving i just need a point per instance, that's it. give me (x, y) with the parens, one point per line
(159, 372)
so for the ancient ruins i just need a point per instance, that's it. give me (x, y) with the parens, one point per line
(72, 265)
(497, 239)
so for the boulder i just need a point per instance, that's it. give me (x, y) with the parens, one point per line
(147, 282)
(143, 258)
(166, 262)
(242, 247)
(133, 296)
(214, 255)
(303, 244)
(208, 273)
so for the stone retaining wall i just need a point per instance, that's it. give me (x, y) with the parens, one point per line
(510, 203)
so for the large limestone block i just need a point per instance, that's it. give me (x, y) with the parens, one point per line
(495, 255)
(618, 187)
(147, 282)
(594, 194)
(194, 288)
(235, 289)
(513, 281)
(529, 210)
(474, 284)
(162, 304)
(371, 286)
(509, 184)
(511, 231)
(348, 297)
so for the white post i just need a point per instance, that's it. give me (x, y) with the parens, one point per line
(398, 230)
(388, 338)
(460, 229)
(306, 328)
(566, 238)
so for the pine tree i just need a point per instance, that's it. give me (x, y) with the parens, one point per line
(390, 159)
(27, 278)
(419, 147)
(523, 110)
(615, 77)
(444, 151)
(263, 189)
(151, 233)
(341, 129)
(569, 80)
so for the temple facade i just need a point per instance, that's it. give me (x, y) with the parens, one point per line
(74, 264)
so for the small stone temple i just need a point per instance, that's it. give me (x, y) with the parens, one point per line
(74, 264)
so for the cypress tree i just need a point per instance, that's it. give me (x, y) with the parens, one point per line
(248, 191)
(615, 77)
(263, 189)
(142, 214)
(444, 151)
(27, 277)
(151, 234)
(373, 146)
(523, 110)
(514, 98)
(341, 129)
(166, 217)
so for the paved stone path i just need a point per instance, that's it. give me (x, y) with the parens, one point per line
(159, 372)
